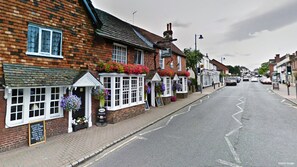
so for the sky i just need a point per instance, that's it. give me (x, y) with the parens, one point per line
(241, 32)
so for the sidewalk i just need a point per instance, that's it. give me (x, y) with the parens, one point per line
(73, 148)
(283, 91)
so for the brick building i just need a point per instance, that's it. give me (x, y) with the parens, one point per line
(51, 49)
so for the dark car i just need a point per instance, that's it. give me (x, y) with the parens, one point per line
(231, 81)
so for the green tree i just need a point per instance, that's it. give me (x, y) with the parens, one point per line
(193, 59)
(264, 68)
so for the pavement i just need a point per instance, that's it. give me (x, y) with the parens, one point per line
(73, 148)
(283, 91)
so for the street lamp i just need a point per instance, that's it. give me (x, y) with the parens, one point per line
(200, 37)
(222, 58)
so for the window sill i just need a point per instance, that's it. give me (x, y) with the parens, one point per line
(124, 106)
(20, 123)
(43, 55)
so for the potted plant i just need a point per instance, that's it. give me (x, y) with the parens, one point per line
(79, 123)
(71, 103)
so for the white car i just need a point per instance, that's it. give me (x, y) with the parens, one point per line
(254, 79)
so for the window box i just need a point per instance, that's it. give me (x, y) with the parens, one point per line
(79, 126)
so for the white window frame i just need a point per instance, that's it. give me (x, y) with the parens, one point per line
(161, 60)
(117, 53)
(139, 90)
(39, 52)
(179, 63)
(26, 103)
(141, 56)
(183, 81)
(167, 81)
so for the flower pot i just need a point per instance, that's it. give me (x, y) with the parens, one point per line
(79, 126)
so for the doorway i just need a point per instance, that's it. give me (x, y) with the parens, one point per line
(81, 93)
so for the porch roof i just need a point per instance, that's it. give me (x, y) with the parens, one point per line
(16, 75)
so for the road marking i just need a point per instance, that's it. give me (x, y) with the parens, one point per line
(233, 116)
(234, 130)
(283, 100)
(114, 149)
(235, 155)
(286, 163)
(151, 130)
(227, 163)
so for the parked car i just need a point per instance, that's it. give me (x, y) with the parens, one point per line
(231, 81)
(245, 78)
(254, 79)
(265, 80)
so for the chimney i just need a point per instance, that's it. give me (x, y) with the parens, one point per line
(277, 58)
(168, 33)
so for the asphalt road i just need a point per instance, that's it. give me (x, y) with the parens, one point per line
(243, 125)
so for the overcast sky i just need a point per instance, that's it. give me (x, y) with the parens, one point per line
(244, 32)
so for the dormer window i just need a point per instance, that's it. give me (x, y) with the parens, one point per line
(44, 42)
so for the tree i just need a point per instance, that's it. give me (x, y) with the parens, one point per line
(193, 59)
(234, 70)
(264, 68)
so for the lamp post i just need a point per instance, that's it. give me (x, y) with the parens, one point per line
(222, 58)
(200, 37)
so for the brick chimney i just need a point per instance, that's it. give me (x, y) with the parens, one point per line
(277, 58)
(168, 33)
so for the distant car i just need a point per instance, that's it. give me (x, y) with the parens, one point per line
(265, 80)
(231, 81)
(254, 79)
(238, 79)
(245, 78)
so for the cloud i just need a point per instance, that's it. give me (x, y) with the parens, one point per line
(272, 20)
(181, 25)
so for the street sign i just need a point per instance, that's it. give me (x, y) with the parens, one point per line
(166, 53)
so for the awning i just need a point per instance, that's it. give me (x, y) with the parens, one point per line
(88, 80)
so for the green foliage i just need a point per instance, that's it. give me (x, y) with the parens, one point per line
(234, 70)
(193, 59)
(264, 68)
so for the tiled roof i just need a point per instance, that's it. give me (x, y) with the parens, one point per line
(217, 63)
(153, 38)
(16, 75)
(118, 30)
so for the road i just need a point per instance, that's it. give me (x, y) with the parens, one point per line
(243, 125)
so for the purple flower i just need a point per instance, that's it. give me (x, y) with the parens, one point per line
(162, 87)
(71, 102)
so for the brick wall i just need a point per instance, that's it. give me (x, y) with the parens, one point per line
(126, 113)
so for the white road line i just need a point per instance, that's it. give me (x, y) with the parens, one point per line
(233, 116)
(283, 100)
(286, 163)
(151, 130)
(235, 155)
(234, 130)
(227, 163)
(169, 120)
(128, 141)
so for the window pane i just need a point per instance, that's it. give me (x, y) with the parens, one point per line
(33, 39)
(56, 43)
(12, 117)
(19, 116)
(45, 41)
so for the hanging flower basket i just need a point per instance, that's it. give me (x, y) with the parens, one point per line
(71, 103)
(160, 88)
(183, 73)
(101, 95)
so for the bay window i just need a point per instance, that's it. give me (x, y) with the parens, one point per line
(125, 90)
(167, 83)
(26, 105)
(183, 81)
